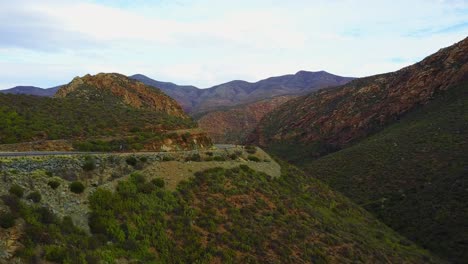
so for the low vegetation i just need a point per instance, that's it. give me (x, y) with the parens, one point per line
(222, 215)
(412, 175)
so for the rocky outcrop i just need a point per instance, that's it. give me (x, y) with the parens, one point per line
(128, 91)
(233, 125)
(347, 113)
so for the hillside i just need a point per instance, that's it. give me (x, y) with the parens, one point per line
(224, 214)
(31, 90)
(403, 136)
(412, 175)
(242, 92)
(334, 118)
(234, 124)
(103, 112)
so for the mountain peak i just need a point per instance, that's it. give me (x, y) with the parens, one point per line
(116, 87)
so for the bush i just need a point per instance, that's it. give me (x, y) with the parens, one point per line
(55, 254)
(77, 187)
(132, 161)
(250, 149)
(53, 184)
(159, 182)
(16, 190)
(253, 158)
(90, 164)
(7, 220)
(219, 158)
(167, 158)
(193, 157)
(34, 196)
(143, 159)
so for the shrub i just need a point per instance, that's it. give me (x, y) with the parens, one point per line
(219, 158)
(89, 164)
(7, 220)
(250, 149)
(193, 157)
(55, 254)
(253, 158)
(132, 161)
(16, 190)
(34, 196)
(77, 187)
(167, 158)
(54, 184)
(143, 159)
(159, 182)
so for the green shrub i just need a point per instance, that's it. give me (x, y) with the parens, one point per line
(55, 253)
(89, 164)
(193, 157)
(7, 220)
(219, 158)
(16, 190)
(34, 196)
(167, 158)
(132, 161)
(159, 182)
(143, 159)
(250, 149)
(54, 184)
(253, 158)
(77, 187)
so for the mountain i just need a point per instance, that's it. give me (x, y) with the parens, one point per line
(123, 89)
(412, 175)
(184, 94)
(403, 139)
(242, 92)
(102, 112)
(335, 118)
(31, 90)
(234, 124)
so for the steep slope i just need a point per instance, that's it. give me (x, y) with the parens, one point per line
(234, 124)
(123, 89)
(413, 174)
(102, 112)
(334, 118)
(242, 92)
(219, 215)
(31, 90)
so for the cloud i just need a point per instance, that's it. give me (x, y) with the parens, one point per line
(204, 42)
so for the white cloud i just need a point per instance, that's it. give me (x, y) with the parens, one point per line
(204, 42)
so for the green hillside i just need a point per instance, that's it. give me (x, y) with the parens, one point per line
(221, 216)
(412, 175)
(28, 118)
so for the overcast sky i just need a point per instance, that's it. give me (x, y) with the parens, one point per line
(203, 43)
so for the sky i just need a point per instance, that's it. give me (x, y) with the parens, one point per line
(203, 43)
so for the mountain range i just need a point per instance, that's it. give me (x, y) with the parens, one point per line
(195, 100)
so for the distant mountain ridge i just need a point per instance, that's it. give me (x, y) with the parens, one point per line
(32, 90)
(238, 92)
(196, 100)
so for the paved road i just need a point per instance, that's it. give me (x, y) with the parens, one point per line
(59, 153)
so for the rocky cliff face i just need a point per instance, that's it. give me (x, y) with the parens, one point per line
(125, 90)
(233, 125)
(341, 115)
